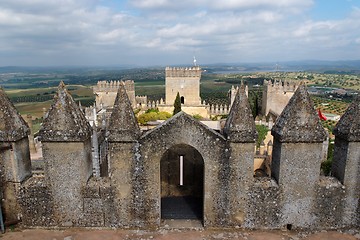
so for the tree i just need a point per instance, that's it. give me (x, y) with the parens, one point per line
(255, 106)
(177, 104)
(262, 132)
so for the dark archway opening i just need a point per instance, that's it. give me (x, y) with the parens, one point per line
(182, 99)
(182, 183)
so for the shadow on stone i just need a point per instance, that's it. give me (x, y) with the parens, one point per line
(186, 207)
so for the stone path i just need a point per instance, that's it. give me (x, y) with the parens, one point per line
(164, 234)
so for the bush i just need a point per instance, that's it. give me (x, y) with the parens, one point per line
(326, 165)
(153, 116)
(152, 110)
(197, 116)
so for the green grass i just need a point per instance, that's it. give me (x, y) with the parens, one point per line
(34, 109)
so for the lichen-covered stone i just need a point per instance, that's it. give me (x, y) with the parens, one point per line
(37, 203)
(329, 203)
(182, 129)
(264, 209)
(64, 122)
(12, 126)
(299, 121)
(123, 125)
(348, 127)
(240, 125)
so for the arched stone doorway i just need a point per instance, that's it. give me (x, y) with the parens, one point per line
(182, 183)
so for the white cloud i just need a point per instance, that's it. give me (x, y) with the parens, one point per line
(230, 29)
(220, 5)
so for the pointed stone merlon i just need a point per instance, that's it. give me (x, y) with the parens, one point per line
(123, 133)
(241, 134)
(299, 121)
(123, 126)
(14, 142)
(346, 160)
(15, 164)
(66, 140)
(12, 126)
(64, 122)
(240, 124)
(296, 158)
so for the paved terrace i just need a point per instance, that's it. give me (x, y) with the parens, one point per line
(167, 233)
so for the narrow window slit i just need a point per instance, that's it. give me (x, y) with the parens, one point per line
(181, 170)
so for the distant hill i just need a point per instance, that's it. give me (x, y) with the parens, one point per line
(342, 67)
(351, 67)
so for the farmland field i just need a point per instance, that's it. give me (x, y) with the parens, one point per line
(32, 92)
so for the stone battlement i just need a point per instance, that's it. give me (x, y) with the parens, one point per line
(105, 92)
(183, 72)
(112, 86)
(279, 85)
(138, 172)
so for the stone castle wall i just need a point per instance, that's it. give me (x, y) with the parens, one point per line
(105, 92)
(128, 193)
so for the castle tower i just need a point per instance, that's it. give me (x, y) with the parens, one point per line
(346, 160)
(240, 132)
(66, 139)
(275, 97)
(15, 164)
(186, 81)
(122, 134)
(296, 159)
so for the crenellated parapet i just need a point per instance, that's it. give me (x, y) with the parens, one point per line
(183, 72)
(281, 85)
(142, 168)
(113, 86)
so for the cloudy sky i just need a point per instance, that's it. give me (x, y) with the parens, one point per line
(167, 32)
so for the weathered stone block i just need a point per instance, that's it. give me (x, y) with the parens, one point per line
(37, 203)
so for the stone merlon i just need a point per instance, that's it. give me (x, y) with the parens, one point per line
(299, 121)
(64, 122)
(123, 125)
(348, 128)
(12, 126)
(240, 125)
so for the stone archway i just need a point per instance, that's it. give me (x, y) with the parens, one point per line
(182, 183)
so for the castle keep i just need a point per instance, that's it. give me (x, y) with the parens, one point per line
(186, 81)
(179, 158)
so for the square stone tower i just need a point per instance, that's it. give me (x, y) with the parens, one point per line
(186, 81)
